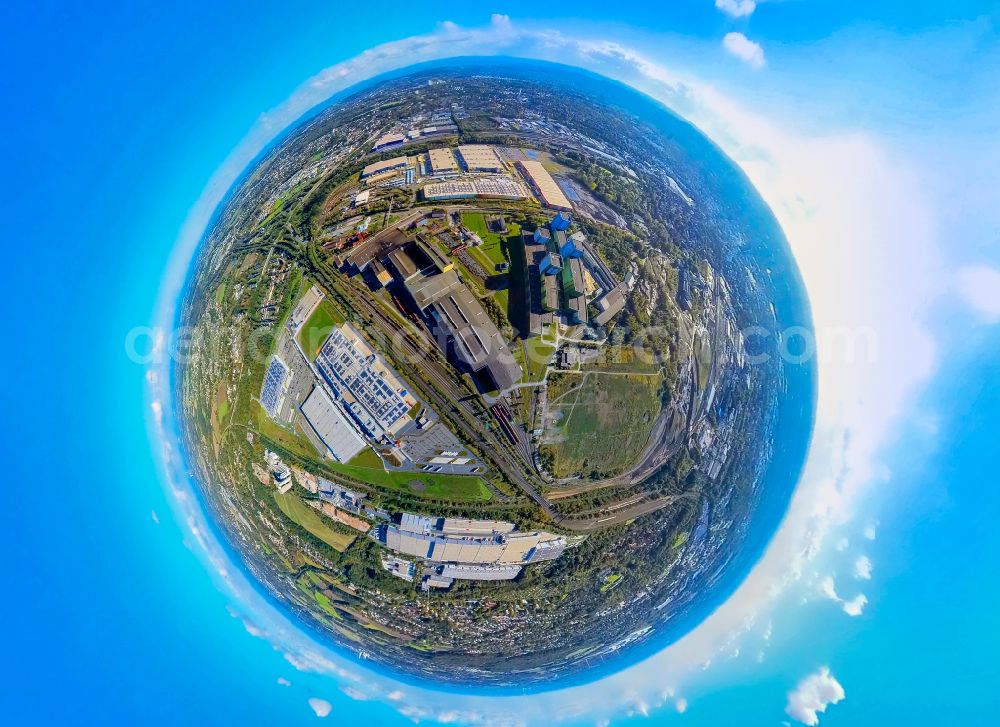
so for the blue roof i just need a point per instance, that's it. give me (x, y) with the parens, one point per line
(560, 222)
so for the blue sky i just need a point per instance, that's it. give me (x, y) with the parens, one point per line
(869, 127)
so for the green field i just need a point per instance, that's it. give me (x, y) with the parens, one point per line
(493, 247)
(322, 527)
(295, 442)
(538, 355)
(604, 425)
(439, 487)
(220, 293)
(315, 330)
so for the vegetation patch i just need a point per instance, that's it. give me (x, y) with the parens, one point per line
(299, 512)
(437, 487)
(319, 326)
(602, 427)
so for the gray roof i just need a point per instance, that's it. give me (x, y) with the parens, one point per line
(427, 289)
(611, 304)
(432, 252)
(578, 306)
(332, 426)
(403, 263)
(478, 343)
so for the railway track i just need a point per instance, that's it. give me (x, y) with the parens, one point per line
(419, 357)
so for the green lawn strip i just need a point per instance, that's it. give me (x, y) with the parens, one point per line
(294, 442)
(539, 355)
(492, 248)
(315, 330)
(366, 458)
(299, 512)
(437, 487)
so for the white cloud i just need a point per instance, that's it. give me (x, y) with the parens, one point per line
(813, 695)
(828, 589)
(355, 693)
(863, 568)
(320, 706)
(745, 49)
(681, 705)
(853, 607)
(284, 682)
(870, 532)
(856, 606)
(979, 287)
(736, 8)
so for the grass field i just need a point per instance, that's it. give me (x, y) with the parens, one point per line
(298, 511)
(493, 244)
(538, 355)
(605, 424)
(296, 443)
(315, 330)
(438, 487)
(367, 457)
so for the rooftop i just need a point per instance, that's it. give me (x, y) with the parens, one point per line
(479, 157)
(545, 186)
(442, 161)
(384, 166)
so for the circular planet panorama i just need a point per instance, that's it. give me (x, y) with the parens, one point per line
(485, 383)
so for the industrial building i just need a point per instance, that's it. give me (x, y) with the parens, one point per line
(550, 264)
(542, 290)
(280, 472)
(550, 293)
(572, 278)
(470, 543)
(480, 572)
(479, 158)
(441, 161)
(388, 141)
(499, 187)
(477, 341)
(560, 223)
(379, 273)
(371, 392)
(340, 496)
(432, 253)
(404, 264)
(378, 171)
(433, 284)
(610, 304)
(342, 440)
(543, 185)
(272, 392)
(400, 567)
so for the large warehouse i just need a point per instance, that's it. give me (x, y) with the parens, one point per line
(331, 426)
(442, 161)
(479, 158)
(377, 170)
(373, 393)
(470, 542)
(543, 185)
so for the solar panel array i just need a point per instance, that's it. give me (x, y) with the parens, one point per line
(272, 392)
(343, 364)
